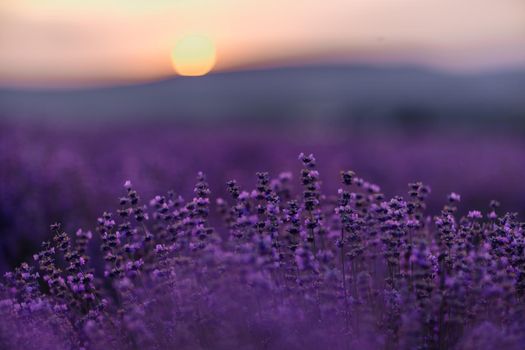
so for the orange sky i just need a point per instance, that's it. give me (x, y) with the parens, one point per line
(56, 42)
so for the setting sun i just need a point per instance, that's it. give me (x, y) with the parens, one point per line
(194, 55)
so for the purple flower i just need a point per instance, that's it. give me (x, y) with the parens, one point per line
(474, 214)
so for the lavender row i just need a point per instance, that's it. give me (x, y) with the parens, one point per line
(283, 269)
(68, 173)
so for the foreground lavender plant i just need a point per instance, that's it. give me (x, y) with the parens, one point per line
(348, 271)
(70, 172)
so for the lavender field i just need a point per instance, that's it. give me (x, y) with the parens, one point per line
(262, 175)
(73, 173)
(190, 237)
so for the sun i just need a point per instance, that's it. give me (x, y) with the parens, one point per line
(193, 55)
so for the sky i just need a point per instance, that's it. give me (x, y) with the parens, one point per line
(91, 42)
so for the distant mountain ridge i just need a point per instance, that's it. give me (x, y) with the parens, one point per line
(343, 93)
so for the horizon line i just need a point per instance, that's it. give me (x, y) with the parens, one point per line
(101, 83)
